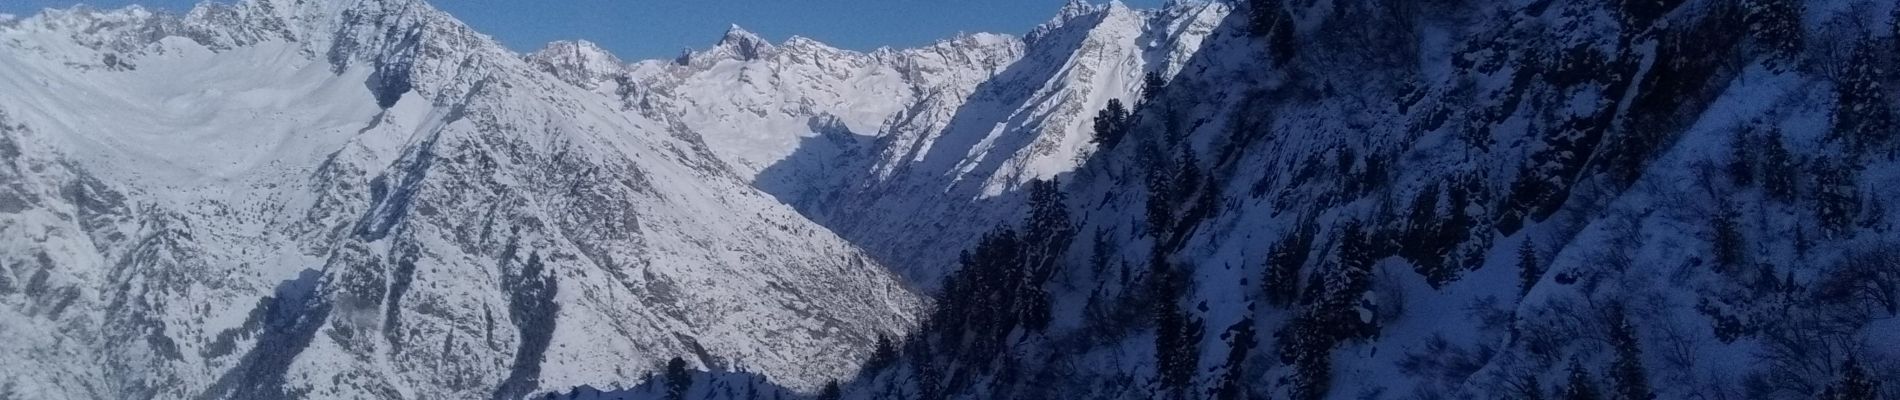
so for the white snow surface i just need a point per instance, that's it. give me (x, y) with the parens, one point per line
(894, 148)
(215, 205)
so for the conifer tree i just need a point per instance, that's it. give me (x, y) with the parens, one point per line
(1531, 389)
(1151, 87)
(1775, 26)
(1854, 384)
(1468, 191)
(1863, 116)
(1312, 377)
(1284, 263)
(1778, 169)
(1048, 232)
(1306, 345)
(1188, 177)
(831, 391)
(1160, 206)
(1836, 198)
(1111, 124)
(1630, 379)
(1176, 334)
(882, 356)
(1347, 285)
(1530, 270)
(1581, 385)
(1728, 243)
(678, 379)
(1422, 244)
(1741, 162)
(1269, 18)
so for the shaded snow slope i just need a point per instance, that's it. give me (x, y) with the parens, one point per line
(1685, 199)
(1601, 141)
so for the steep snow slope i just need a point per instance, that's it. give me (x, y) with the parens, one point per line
(366, 199)
(1546, 193)
(1374, 199)
(905, 151)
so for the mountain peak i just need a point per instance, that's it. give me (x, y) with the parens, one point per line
(1075, 8)
(736, 33)
(1070, 13)
(578, 62)
(743, 43)
(737, 43)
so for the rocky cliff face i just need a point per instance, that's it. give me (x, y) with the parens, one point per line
(366, 199)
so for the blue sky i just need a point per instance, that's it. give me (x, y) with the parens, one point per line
(643, 29)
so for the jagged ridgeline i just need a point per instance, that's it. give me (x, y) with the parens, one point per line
(1306, 199)
(1456, 199)
(367, 199)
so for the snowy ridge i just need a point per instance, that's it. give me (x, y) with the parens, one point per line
(396, 208)
(581, 63)
(1363, 199)
(855, 139)
(1320, 200)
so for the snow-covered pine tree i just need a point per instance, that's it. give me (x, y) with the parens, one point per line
(1111, 124)
(882, 356)
(1729, 244)
(1284, 263)
(1778, 168)
(1580, 386)
(1169, 322)
(1836, 197)
(1854, 384)
(1423, 243)
(1530, 389)
(1151, 86)
(1159, 209)
(1775, 27)
(1741, 160)
(1047, 233)
(1466, 199)
(1629, 379)
(1863, 115)
(1347, 283)
(1307, 347)
(1269, 18)
(1530, 270)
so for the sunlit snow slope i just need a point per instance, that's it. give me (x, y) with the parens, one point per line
(366, 199)
(911, 153)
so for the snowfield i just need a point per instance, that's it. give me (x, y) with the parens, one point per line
(367, 199)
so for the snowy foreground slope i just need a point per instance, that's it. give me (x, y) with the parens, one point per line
(366, 199)
(1359, 199)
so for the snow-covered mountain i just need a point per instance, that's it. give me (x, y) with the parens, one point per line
(903, 151)
(1376, 199)
(1305, 199)
(1454, 199)
(367, 199)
